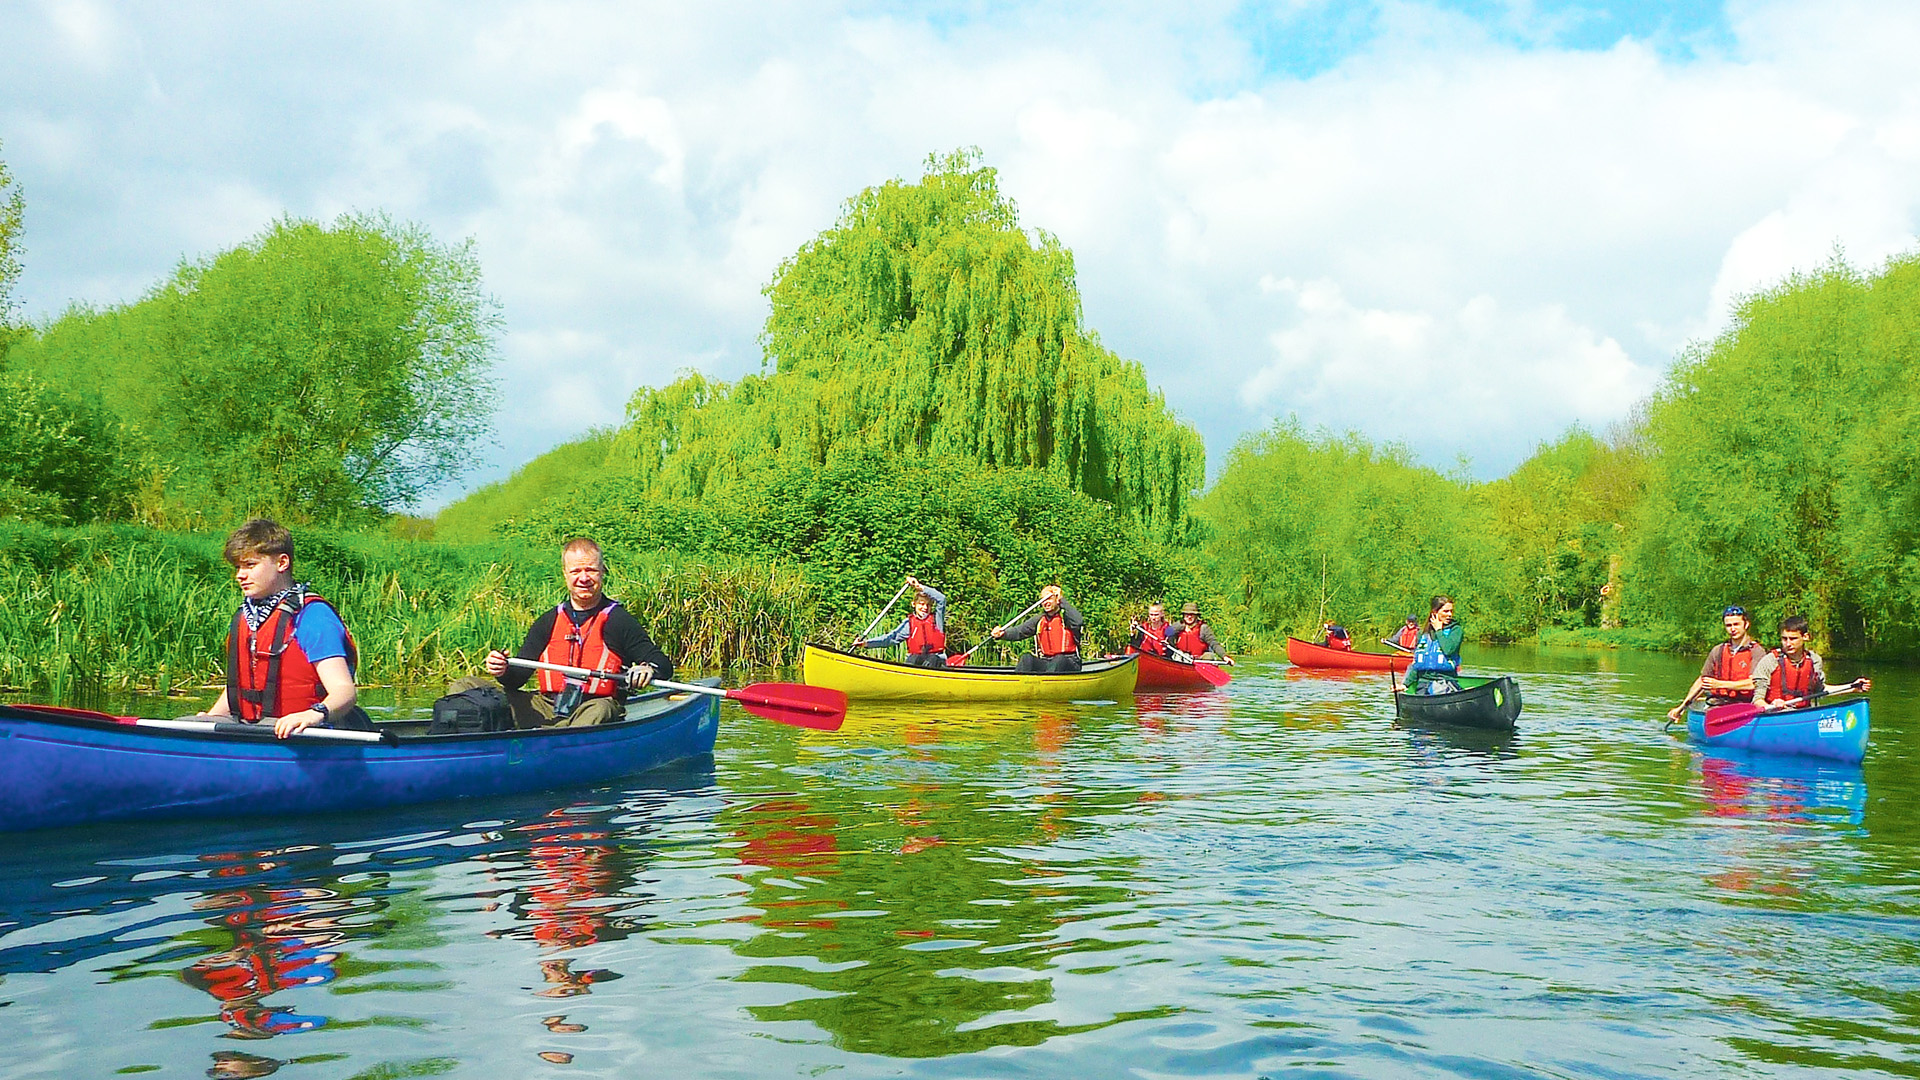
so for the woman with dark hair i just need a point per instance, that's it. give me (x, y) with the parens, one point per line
(1436, 655)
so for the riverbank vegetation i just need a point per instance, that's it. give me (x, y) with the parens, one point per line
(929, 402)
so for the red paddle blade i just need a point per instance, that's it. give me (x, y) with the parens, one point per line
(1212, 673)
(958, 659)
(1724, 718)
(795, 704)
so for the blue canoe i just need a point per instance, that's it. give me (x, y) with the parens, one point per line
(1837, 731)
(67, 767)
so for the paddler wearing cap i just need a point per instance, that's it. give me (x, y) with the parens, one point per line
(1196, 637)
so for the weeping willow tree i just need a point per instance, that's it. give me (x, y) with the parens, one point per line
(927, 322)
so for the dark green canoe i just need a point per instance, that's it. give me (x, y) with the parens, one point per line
(1492, 703)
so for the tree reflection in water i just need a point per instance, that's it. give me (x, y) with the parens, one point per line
(951, 915)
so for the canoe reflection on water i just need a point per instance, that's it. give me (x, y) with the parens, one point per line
(1778, 787)
(287, 920)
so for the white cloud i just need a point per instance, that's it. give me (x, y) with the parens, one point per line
(1544, 223)
(1424, 377)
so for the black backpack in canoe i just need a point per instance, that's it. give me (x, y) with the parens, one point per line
(476, 711)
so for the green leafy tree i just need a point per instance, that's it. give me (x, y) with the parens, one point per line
(319, 373)
(926, 321)
(12, 218)
(1304, 529)
(61, 460)
(1786, 465)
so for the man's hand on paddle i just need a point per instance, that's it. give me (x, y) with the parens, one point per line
(496, 663)
(639, 675)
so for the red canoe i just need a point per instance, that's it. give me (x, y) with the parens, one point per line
(1307, 654)
(1159, 673)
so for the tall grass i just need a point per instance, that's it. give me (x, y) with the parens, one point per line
(124, 608)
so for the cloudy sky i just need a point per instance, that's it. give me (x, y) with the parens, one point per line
(1464, 225)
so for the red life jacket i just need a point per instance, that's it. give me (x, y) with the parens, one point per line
(268, 673)
(1053, 636)
(584, 646)
(1189, 640)
(1735, 664)
(1790, 680)
(1153, 639)
(1409, 637)
(924, 635)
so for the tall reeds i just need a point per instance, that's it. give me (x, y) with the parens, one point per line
(97, 609)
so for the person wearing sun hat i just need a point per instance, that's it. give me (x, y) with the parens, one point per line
(1727, 676)
(1196, 637)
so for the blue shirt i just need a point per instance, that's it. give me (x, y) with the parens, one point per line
(320, 633)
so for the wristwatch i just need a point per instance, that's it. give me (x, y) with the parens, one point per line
(322, 710)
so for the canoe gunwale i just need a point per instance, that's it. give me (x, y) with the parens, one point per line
(878, 679)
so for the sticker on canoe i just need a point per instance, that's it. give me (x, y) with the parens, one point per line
(1831, 725)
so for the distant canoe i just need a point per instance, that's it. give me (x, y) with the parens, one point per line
(869, 678)
(1490, 703)
(1307, 654)
(70, 767)
(1161, 673)
(1837, 731)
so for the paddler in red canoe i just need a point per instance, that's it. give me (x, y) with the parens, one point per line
(924, 631)
(1336, 637)
(1792, 675)
(1196, 637)
(1155, 635)
(1727, 676)
(1409, 635)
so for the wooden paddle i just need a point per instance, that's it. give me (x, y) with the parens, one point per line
(958, 660)
(868, 632)
(1724, 718)
(794, 704)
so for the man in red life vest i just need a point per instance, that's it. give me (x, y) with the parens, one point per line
(1336, 637)
(1055, 631)
(1790, 675)
(1196, 637)
(1409, 635)
(1155, 635)
(290, 659)
(924, 631)
(586, 630)
(1727, 676)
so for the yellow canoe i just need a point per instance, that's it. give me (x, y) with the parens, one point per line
(870, 679)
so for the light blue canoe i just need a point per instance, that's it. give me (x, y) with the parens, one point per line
(1837, 731)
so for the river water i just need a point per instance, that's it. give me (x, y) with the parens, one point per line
(1269, 881)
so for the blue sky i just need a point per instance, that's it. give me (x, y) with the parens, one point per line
(1462, 226)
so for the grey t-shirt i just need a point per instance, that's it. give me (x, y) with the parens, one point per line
(1765, 668)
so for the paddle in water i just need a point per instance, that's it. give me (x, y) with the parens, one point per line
(795, 704)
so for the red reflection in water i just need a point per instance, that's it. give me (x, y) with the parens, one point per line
(282, 938)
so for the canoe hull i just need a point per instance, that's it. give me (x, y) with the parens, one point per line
(1837, 732)
(1307, 654)
(61, 769)
(1490, 704)
(864, 678)
(1159, 673)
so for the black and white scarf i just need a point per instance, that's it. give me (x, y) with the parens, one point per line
(257, 612)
